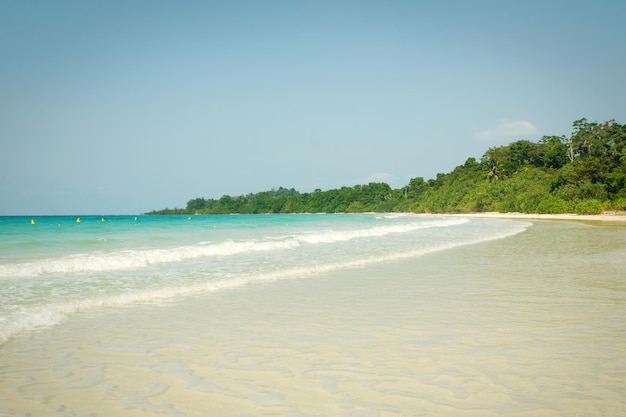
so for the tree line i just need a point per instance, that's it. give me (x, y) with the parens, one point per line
(582, 173)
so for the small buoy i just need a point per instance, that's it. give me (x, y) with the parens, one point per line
(103, 220)
(189, 218)
(78, 220)
(32, 221)
(135, 218)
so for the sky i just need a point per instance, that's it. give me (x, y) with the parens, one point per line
(122, 107)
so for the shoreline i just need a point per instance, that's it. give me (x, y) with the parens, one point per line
(458, 332)
(604, 217)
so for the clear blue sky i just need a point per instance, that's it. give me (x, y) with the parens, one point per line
(121, 107)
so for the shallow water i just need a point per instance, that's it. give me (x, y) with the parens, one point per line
(58, 267)
(533, 325)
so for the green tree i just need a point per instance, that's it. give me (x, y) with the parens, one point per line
(196, 205)
(584, 172)
(555, 151)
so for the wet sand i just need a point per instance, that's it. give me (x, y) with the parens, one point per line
(532, 325)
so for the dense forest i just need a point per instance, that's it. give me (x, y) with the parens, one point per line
(584, 173)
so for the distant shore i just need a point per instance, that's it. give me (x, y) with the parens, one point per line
(617, 216)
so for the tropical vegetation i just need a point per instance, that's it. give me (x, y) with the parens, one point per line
(583, 173)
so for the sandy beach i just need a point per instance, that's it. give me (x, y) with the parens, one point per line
(617, 216)
(527, 325)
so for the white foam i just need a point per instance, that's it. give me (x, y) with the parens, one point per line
(140, 258)
(333, 236)
(137, 258)
(29, 318)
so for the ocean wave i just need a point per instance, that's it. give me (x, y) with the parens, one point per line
(29, 318)
(333, 236)
(136, 258)
(141, 258)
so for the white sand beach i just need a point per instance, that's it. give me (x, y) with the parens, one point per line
(614, 216)
(529, 325)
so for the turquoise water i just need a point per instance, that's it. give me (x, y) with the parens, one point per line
(58, 267)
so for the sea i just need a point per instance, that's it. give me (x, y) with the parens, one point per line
(311, 315)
